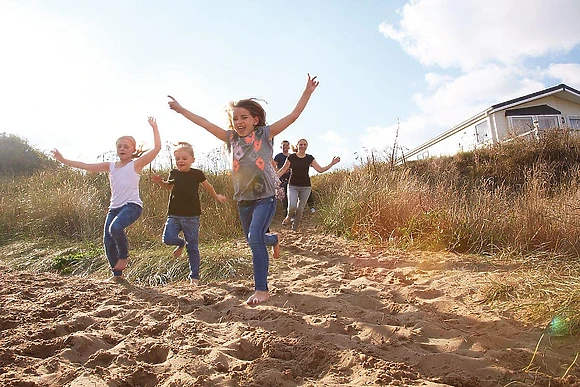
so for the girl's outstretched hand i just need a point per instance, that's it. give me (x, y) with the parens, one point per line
(335, 160)
(174, 105)
(57, 155)
(312, 84)
(152, 122)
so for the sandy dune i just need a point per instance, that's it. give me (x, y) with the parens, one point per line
(340, 314)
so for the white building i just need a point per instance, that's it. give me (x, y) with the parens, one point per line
(556, 107)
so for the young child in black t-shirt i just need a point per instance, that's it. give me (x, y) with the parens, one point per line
(184, 208)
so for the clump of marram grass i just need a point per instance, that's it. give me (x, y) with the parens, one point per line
(53, 204)
(69, 204)
(42, 256)
(153, 266)
(400, 207)
(541, 288)
(219, 261)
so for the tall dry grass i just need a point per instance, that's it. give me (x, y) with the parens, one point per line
(520, 197)
(66, 208)
(72, 205)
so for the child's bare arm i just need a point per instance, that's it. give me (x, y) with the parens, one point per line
(209, 188)
(277, 127)
(150, 155)
(91, 167)
(161, 183)
(198, 120)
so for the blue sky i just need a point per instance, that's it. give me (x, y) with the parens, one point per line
(77, 74)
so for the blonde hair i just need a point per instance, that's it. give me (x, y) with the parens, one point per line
(183, 146)
(138, 149)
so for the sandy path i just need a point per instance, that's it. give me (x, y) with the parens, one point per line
(341, 314)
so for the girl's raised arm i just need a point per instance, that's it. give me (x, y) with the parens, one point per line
(150, 155)
(277, 127)
(92, 167)
(212, 128)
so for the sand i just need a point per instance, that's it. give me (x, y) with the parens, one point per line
(341, 314)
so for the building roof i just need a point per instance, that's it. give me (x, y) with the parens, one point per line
(538, 110)
(564, 91)
(537, 94)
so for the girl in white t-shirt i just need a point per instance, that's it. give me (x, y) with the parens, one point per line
(125, 205)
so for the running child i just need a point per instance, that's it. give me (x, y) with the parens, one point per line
(126, 205)
(249, 139)
(184, 209)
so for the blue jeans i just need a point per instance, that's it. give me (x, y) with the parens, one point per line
(297, 199)
(114, 236)
(190, 227)
(256, 216)
(284, 186)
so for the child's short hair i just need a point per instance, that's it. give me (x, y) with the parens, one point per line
(183, 146)
(251, 105)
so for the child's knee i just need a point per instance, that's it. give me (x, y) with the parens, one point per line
(116, 231)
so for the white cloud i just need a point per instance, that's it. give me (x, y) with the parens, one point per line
(334, 144)
(569, 73)
(332, 138)
(465, 33)
(435, 80)
(490, 43)
(454, 102)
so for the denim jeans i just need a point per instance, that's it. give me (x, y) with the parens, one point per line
(297, 199)
(256, 216)
(114, 236)
(284, 186)
(190, 227)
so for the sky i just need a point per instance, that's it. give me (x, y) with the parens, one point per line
(77, 74)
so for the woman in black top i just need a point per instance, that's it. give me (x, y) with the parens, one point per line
(299, 186)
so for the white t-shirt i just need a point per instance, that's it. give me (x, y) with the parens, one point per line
(124, 185)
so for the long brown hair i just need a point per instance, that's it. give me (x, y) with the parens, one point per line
(252, 106)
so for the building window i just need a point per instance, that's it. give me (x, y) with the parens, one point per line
(574, 122)
(547, 122)
(481, 132)
(521, 125)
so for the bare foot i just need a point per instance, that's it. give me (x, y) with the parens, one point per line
(258, 297)
(178, 250)
(276, 247)
(194, 282)
(121, 264)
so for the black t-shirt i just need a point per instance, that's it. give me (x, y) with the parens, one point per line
(184, 198)
(280, 159)
(300, 167)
